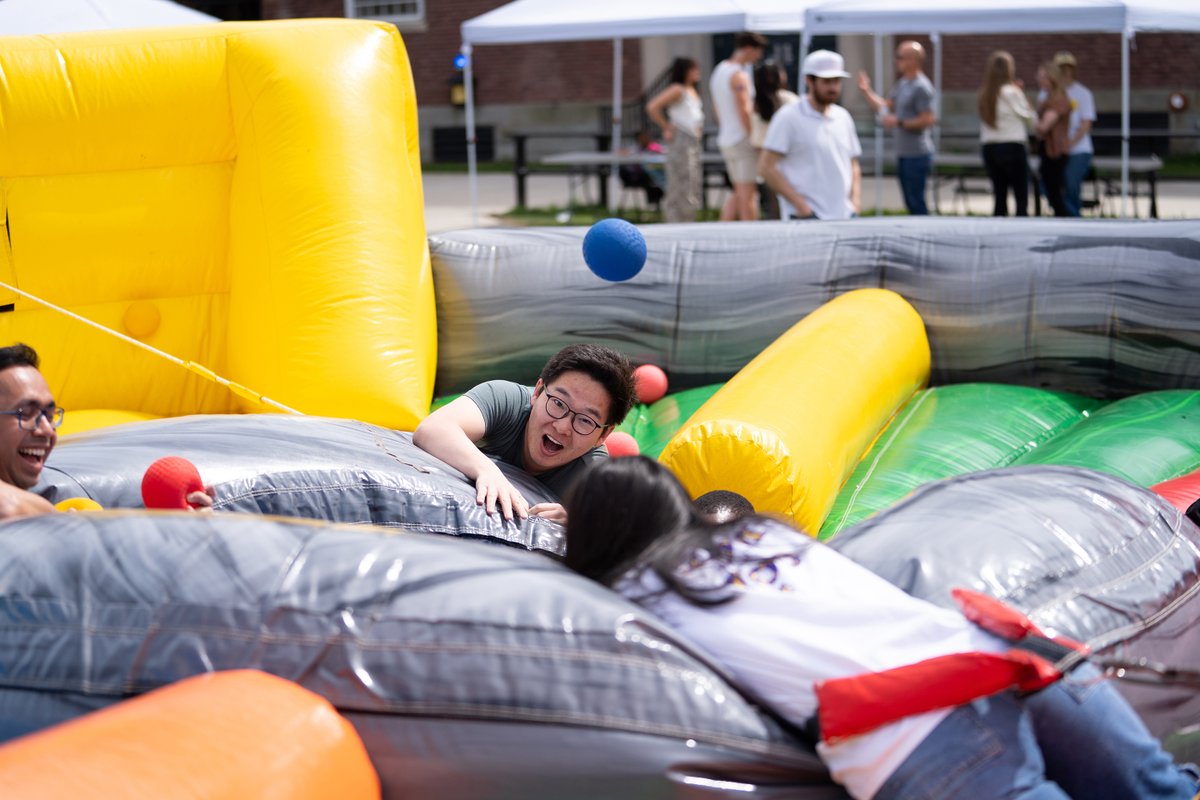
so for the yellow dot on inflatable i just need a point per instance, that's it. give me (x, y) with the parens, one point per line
(78, 504)
(141, 319)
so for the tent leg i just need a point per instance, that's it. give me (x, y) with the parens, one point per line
(936, 40)
(472, 167)
(614, 178)
(1126, 40)
(878, 129)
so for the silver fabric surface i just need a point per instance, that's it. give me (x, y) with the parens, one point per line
(1103, 308)
(426, 643)
(1082, 553)
(310, 467)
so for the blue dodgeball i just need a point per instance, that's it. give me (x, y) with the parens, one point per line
(614, 249)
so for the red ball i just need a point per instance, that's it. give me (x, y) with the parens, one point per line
(169, 481)
(651, 383)
(621, 444)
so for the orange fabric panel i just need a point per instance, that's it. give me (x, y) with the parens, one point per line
(237, 734)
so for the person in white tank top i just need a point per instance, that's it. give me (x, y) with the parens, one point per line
(732, 89)
(678, 111)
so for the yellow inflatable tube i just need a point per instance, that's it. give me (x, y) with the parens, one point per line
(788, 429)
(244, 196)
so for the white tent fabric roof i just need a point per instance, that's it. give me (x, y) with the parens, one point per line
(1002, 16)
(19, 17)
(573, 20)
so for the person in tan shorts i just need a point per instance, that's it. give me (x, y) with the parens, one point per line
(733, 103)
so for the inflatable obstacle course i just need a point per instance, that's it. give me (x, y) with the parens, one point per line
(245, 197)
(227, 734)
(790, 426)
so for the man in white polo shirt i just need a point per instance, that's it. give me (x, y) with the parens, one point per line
(810, 154)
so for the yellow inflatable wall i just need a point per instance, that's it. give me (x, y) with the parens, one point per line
(788, 429)
(245, 196)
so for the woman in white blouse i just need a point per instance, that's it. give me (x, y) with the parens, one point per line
(677, 110)
(1005, 116)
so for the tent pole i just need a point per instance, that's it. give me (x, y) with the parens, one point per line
(472, 168)
(614, 182)
(1126, 38)
(936, 39)
(878, 128)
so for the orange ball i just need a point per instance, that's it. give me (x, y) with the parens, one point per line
(651, 383)
(621, 444)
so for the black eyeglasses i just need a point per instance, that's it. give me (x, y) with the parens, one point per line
(580, 423)
(28, 416)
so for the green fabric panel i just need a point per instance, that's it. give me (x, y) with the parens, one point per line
(1145, 439)
(438, 402)
(952, 430)
(653, 426)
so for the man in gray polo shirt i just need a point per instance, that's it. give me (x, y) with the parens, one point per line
(552, 430)
(908, 109)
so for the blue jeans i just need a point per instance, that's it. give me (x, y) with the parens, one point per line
(1073, 174)
(1096, 746)
(913, 171)
(1075, 739)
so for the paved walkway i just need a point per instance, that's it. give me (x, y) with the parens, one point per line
(448, 204)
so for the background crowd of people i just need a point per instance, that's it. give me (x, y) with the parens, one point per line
(796, 157)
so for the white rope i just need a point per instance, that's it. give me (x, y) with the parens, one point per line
(191, 366)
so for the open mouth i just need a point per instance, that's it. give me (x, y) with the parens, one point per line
(34, 456)
(551, 446)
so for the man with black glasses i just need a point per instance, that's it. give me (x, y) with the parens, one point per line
(29, 420)
(552, 430)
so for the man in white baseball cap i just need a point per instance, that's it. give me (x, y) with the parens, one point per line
(810, 153)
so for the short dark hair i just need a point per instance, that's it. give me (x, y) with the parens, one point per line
(751, 40)
(722, 505)
(1193, 512)
(18, 355)
(602, 364)
(680, 68)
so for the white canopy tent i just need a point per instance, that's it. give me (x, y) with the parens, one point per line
(19, 17)
(1125, 17)
(531, 21)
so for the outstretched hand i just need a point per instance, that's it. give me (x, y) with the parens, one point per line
(201, 501)
(550, 511)
(864, 81)
(492, 489)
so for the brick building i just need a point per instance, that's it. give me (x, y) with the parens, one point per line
(568, 86)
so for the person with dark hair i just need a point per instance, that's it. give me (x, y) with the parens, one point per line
(810, 153)
(789, 618)
(677, 110)
(732, 91)
(1005, 116)
(29, 433)
(771, 93)
(552, 430)
(722, 505)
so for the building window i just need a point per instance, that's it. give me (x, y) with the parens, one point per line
(407, 15)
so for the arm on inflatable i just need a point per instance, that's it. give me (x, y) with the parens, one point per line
(450, 434)
(16, 502)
